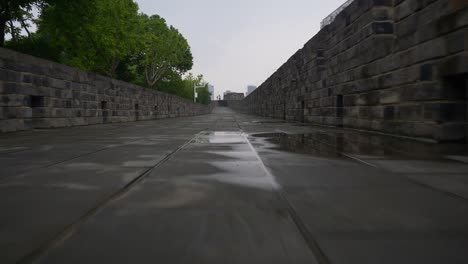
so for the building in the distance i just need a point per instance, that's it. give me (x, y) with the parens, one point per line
(250, 89)
(211, 90)
(229, 96)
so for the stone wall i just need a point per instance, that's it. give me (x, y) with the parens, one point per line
(392, 66)
(35, 93)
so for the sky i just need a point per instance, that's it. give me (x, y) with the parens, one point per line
(236, 43)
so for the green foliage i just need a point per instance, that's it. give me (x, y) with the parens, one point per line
(36, 45)
(95, 35)
(175, 84)
(107, 37)
(163, 51)
(204, 95)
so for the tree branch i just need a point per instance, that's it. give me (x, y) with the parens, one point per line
(12, 31)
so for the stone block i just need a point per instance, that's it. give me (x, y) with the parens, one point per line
(425, 129)
(421, 92)
(13, 100)
(42, 112)
(450, 132)
(10, 76)
(9, 88)
(390, 96)
(406, 75)
(403, 10)
(382, 13)
(409, 112)
(455, 20)
(23, 112)
(457, 41)
(11, 125)
(445, 112)
(454, 65)
(456, 5)
(435, 48)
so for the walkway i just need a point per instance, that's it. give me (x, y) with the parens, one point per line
(229, 188)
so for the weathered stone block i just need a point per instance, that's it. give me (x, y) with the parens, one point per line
(13, 100)
(11, 125)
(450, 132)
(454, 65)
(445, 112)
(410, 112)
(390, 96)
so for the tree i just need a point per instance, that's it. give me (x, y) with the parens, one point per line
(35, 45)
(175, 84)
(164, 50)
(107, 37)
(14, 13)
(204, 95)
(94, 35)
(184, 87)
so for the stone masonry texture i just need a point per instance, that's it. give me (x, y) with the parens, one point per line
(36, 93)
(393, 66)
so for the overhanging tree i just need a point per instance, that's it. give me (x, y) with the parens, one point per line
(104, 36)
(94, 35)
(16, 16)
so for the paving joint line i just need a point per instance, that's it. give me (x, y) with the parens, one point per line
(70, 159)
(63, 235)
(406, 178)
(309, 239)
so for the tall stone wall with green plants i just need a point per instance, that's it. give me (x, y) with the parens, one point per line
(36, 93)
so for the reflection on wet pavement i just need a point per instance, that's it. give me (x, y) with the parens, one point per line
(229, 188)
(242, 168)
(366, 146)
(443, 167)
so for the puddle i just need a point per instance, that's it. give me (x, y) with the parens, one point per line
(299, 143)
(220, 137)
(362, 145)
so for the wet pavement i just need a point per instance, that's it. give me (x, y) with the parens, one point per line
(229, 188)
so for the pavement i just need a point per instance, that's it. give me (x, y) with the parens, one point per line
(229, 188)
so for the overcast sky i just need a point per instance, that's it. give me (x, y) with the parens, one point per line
(240, 42)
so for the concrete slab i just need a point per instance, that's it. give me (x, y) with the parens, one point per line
(229, 196)
(198, 207)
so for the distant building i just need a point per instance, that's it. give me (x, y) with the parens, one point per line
(211, 90)
(233, 96)
(250, 89)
